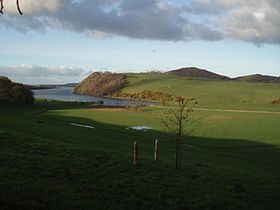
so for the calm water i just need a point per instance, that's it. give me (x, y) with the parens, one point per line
(66, 94)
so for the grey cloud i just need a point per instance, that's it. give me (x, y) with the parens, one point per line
(132, 5)
(212, 20)
(140, 19)
(24, 24)
(251, 21)
(257, 22)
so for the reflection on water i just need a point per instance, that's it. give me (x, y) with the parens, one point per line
(66, 94)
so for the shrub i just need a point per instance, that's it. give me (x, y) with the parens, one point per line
(148, 95)
(276, 101)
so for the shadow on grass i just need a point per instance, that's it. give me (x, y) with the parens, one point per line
(47, 163)
(238, 154)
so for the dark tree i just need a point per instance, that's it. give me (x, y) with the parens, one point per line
(14, 92)
(2, 7)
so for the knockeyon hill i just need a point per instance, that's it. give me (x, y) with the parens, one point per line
(194, 72)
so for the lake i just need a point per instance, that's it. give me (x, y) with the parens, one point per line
(66, 94)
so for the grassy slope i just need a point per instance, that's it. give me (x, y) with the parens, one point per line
(210, 94)
(215, 135)
(230, 161)
(47, 163)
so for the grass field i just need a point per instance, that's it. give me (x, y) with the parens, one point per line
(47, 163)
(209, 93)
(230, 161)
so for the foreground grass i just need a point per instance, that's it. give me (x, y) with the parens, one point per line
(46, 163)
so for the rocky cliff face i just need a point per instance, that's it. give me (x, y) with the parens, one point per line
(101, 84)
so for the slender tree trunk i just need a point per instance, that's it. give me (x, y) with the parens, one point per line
(177, 153)
(175, 122)
(180, 153)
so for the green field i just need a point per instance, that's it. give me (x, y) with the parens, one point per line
(209, 93)
(230, 161)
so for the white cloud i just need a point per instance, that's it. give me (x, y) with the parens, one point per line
(254, 21)
(28, 73)
(31, 7)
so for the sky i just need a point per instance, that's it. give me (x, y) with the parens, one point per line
(63, 41)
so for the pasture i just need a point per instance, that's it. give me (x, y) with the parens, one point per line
(209, 93)
(230, 160)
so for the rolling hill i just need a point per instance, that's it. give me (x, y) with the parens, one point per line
(258, 78)
(194, 72)
(210, 89)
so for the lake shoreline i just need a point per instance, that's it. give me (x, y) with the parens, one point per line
(65, 94)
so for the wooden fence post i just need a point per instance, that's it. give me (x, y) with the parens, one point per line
(156, 150)
(135, 156)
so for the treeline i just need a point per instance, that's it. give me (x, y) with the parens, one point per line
(15, 93)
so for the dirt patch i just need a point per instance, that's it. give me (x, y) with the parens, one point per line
(244, 101)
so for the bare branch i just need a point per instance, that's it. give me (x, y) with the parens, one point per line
(2, 6)
(18, 8)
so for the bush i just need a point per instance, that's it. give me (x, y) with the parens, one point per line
(275, 101)
(148, 95)
(14, 92)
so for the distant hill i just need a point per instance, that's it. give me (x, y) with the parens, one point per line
(258, 78)
(194, 72)
(101, 84)
(68, 85)
(41, 87)
(111, 84)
